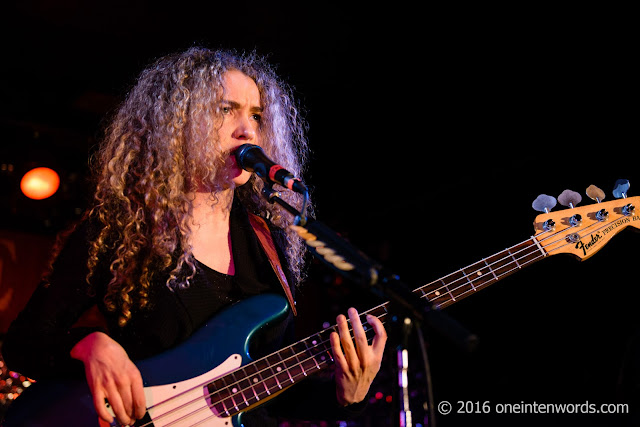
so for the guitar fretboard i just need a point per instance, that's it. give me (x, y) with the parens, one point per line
(468, 280)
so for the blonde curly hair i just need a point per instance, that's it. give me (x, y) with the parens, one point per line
(163, 143)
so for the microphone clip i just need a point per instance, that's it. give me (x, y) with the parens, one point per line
(272, 196)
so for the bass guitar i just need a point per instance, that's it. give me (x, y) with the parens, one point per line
(182, 389)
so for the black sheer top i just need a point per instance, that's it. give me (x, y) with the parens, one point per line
(39, 341)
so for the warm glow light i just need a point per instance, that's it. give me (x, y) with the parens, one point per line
(40, 183)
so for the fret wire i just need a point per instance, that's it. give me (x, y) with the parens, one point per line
(303, 371)
(312, 357)
(448, 291)
(235, 404)
(286, 370)
(490, 269)
(251, 373)
(468, 280)
(225, 407)
(244, 398)
(514, 259)
(244, 377)
(275, 376)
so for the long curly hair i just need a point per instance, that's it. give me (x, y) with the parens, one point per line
(163, 143)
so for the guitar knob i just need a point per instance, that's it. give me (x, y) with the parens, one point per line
(544, 203)
(595, 193)
(569, 198)
(620, 188)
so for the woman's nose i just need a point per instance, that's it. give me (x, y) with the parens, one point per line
(244, 130)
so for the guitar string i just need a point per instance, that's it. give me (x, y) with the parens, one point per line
(301, 364)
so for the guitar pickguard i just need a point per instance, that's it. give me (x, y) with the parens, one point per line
(187, 401)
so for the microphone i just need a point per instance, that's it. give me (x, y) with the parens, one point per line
(251, 158)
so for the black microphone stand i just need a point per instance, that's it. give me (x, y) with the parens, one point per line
(407, 309)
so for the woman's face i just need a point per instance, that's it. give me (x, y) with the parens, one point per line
(241, 112)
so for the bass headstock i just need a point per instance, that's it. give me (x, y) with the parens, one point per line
(583, 230)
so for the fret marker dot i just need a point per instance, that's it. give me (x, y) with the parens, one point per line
(278, 369)
(437, 293)
(234, 390)
(322, 358)
(479, 273)
(314, 342)
(255, 380)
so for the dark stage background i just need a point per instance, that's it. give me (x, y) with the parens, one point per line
(432, 132)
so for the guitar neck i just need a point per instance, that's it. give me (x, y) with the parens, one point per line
(257, 381)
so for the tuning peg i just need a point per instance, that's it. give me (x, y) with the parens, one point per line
(544, 203)
(569, 198)
(595, 193)
(620, 188)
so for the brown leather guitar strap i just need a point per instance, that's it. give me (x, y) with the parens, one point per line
(266, 241)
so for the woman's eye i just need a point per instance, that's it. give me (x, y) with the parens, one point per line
(257, 117)
(225, 110)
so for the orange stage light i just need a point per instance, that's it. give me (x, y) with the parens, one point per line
(40, 183)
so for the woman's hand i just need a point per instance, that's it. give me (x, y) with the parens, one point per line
(358, 365)
(111, 375)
